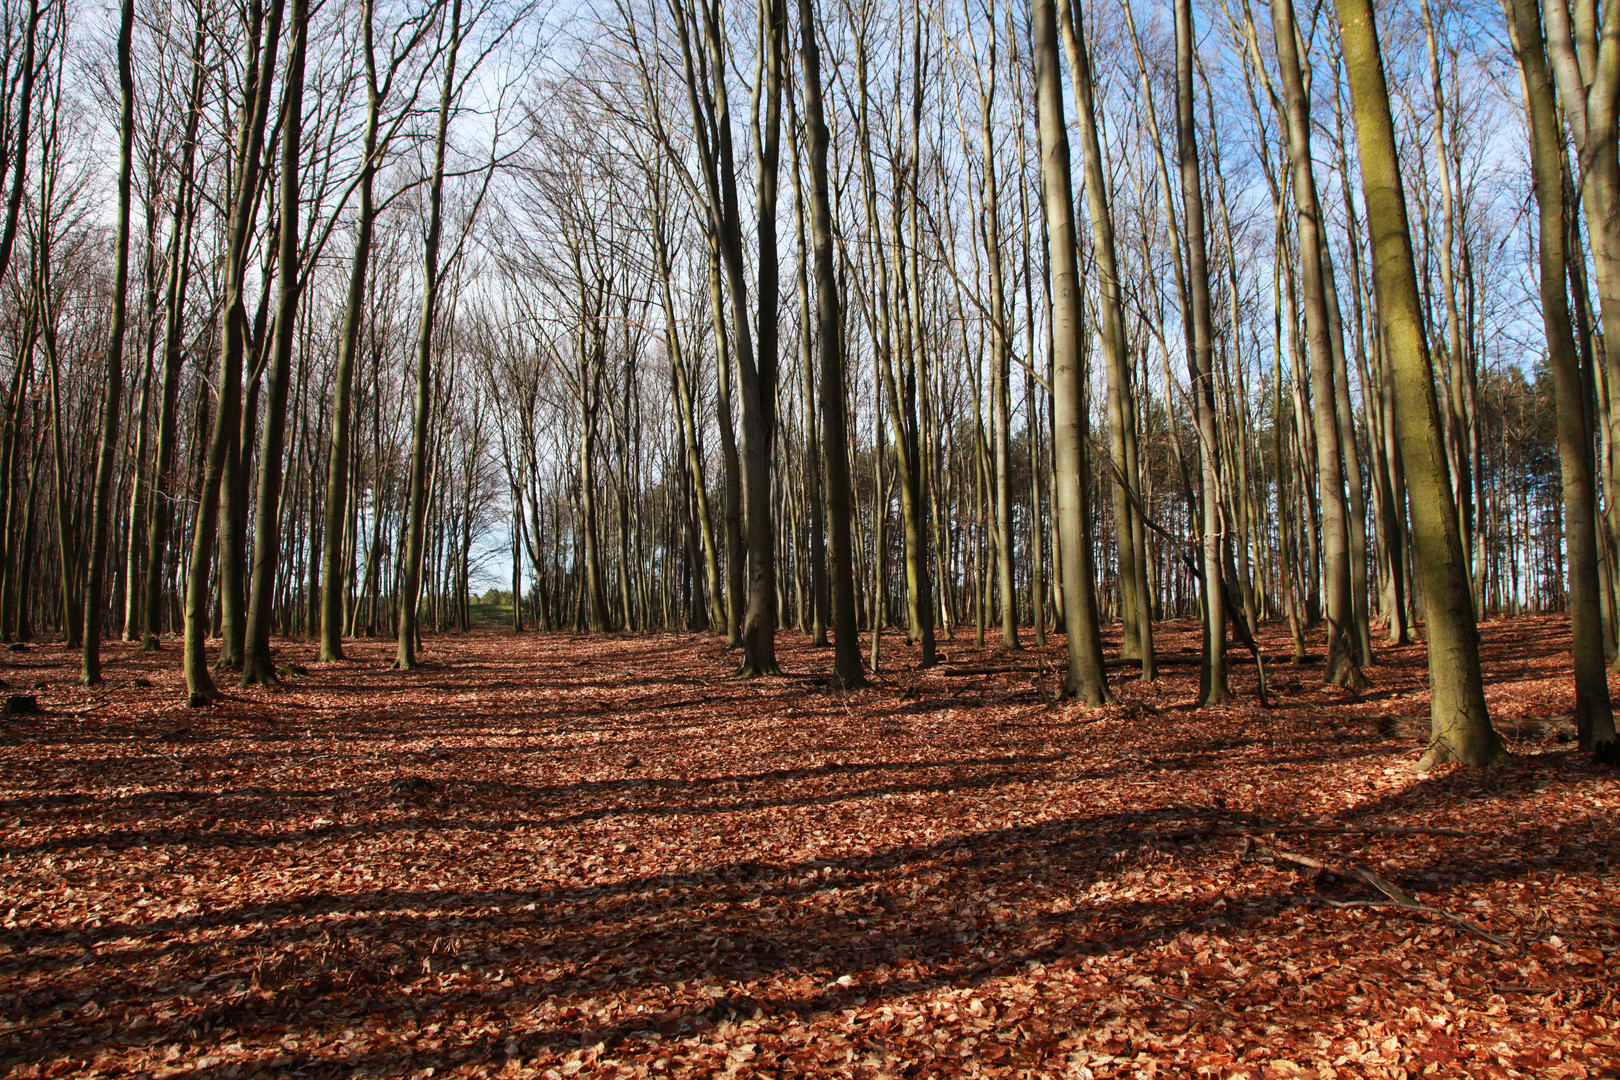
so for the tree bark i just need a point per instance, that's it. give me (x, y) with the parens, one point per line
(432, 279)
(1135, 603)
(257, 667)
(1343, 659)
(847, 670)
(1201, 367)
(1594, 717)
(1085, 679)
(1460, 723)
(102, 499)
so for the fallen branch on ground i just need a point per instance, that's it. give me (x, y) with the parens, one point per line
(1392, 893)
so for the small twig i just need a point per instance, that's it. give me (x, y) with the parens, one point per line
(1301, 860)
(1458, 920)
(1190, 1003)
(1326, 830)
(1388, 888)
(991, 669)
(296, 764)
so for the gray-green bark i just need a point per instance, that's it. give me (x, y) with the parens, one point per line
(1201, 368)
(1594, 716)
(1135, 603)
(1084, 679)
(1461, 726)
(1343, 661)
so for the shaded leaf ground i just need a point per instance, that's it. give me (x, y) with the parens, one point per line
(558, 856)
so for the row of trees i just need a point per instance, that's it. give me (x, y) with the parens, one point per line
(748, 316)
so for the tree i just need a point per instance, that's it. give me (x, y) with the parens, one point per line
(1084, 679)
(262, 34)
(257, 666)
(1594, 717)
(432, 280)
(1343, 658)
(1201, 368)
(1135, 606)
(829, 346)
(1460, 723)
(180, 261)
(102, 504)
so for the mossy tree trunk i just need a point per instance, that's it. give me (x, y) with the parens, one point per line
(1460, 723)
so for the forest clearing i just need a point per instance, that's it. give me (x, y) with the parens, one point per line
(553, 855)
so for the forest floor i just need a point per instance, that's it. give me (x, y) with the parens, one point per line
(565, 856)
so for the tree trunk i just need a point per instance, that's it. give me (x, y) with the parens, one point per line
(1212, 669)
(1085, 679)
(1594, 717)
(416, 521)
(264, 31)
(1135, 603)
(1343, 660)
(159, 514)
(847, 670)
(101, 505)
(256, 664)
(1461, 726)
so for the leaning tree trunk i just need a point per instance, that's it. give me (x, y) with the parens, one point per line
(1135, 603)
(264, 31)
(1461, 725)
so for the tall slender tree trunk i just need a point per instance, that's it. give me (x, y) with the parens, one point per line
(1085, 679)
(1584, 56)
(1594, 717)
(1212, 669)
(102, 498)
(337, 462)
(1461, 726)
(256, 664)
(1343, 661)
(159, 514)
(1135, 603)
(10, 585)
(847, 669)
(432, 279)
(818, 598)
